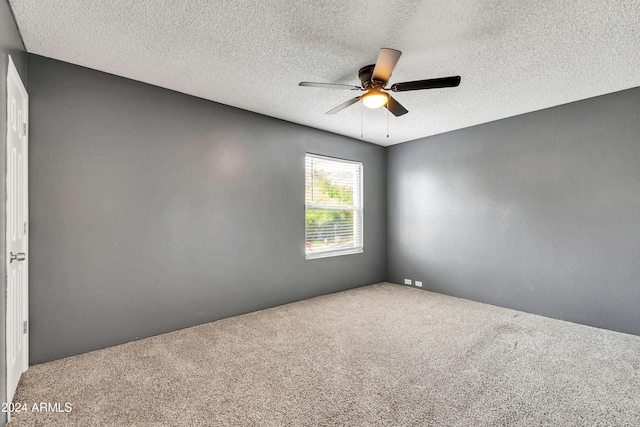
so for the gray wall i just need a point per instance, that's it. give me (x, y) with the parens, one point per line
(152, 211)
(539, 212)
(10, 44)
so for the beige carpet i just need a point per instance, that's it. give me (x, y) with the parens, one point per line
(379, 355)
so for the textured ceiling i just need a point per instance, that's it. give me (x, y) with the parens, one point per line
(513, 56)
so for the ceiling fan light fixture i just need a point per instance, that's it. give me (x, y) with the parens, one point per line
(375, 77)
(374, 99)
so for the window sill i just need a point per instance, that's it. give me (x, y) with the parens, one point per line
(328, 254)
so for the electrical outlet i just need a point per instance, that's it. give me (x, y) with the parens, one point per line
(418, 284)
(407, 281)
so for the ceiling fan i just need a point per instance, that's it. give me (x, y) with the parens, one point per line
(375, 77)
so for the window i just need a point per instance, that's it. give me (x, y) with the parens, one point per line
(333, 206)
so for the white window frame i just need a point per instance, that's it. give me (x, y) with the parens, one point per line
(358, 207)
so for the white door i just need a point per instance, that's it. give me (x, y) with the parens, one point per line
(17, 338)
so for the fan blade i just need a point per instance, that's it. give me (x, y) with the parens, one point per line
(344, 105)
(387, 60)
(395, 107)
(426, 84)
(329, 85)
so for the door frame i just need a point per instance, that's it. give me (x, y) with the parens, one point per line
(13, 75)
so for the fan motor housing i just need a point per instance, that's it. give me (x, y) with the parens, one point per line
(365, 74)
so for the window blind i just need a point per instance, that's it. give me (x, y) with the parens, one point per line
(333, 206)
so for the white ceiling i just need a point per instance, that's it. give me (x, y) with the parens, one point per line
(513, 56)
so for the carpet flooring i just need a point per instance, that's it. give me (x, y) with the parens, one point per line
(380, 355)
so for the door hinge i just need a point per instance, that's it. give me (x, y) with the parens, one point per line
(24, 129)
(25, 326)
(25, 228)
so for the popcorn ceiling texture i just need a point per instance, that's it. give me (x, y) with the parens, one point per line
(514, 57)
(381, 355)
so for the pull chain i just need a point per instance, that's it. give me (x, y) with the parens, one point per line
(361, 125)
(387, 123)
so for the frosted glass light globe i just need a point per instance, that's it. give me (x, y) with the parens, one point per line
(374, 99)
